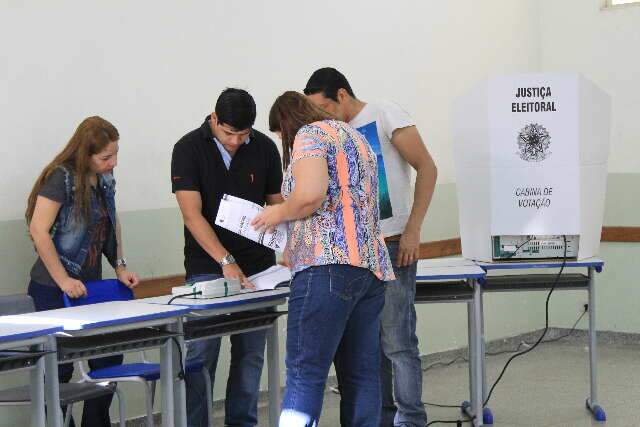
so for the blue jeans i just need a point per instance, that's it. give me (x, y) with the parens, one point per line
(334, 316)
(401, 368)
(243, 385)
(96, 411)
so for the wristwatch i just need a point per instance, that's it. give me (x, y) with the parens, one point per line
(227, 259)
(121, 262)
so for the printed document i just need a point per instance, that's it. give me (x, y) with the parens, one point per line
(235, 214)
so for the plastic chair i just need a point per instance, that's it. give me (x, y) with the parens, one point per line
(70, 393)
(145, 373)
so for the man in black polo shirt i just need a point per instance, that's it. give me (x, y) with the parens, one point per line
(225, 156)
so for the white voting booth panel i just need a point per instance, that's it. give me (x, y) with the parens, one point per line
(531, 155)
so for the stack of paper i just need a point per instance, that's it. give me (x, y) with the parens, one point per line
(235, 214)
(271, 277)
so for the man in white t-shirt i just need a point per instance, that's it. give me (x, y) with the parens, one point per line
(394, 138)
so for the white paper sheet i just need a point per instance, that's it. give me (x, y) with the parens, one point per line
(269, 278)
(235, 214)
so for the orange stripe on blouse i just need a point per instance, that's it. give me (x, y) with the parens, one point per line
(348, 216)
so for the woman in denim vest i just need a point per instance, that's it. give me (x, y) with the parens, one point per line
(72, 220)
(336, 252)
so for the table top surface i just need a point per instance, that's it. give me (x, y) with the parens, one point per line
(448, 269)
(98, 315)
(240, 299)
(12, 330)
(458, 268)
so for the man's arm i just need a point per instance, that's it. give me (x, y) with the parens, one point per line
(190, 203)
(412, 149)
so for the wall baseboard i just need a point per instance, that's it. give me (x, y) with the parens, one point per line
(157, 286)
(620, 234)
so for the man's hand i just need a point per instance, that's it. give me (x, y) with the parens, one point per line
(233, 272)
(409, 250)
(128, 278)
(73, 288)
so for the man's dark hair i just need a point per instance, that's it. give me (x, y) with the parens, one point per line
(236, 108)
(327, 81)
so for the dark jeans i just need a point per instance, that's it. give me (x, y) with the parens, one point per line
(243, 385)
(334, 316)
(96, 411)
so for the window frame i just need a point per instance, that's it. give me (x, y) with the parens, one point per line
(608, 4)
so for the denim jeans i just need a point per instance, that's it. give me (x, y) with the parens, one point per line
(401, 368)
(247, 358)
(96, 411)
(334, 316)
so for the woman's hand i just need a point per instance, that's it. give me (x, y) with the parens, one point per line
(74, 288)
(269, 218)
(128, 278)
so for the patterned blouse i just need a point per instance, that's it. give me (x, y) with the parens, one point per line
(346, 228)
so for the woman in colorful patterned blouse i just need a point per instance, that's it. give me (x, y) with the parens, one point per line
(337, 255)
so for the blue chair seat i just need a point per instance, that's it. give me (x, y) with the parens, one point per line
(148, 371)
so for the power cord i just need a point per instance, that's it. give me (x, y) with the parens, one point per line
(498, 353)
(181, 374)
(538, 341)
(191, 294)
(517, 349)
(458, 423)
(519, 247)
(544, 332)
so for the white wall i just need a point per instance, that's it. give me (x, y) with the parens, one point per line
(155, 69)
(604, 45)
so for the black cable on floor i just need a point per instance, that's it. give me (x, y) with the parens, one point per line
(498, 353)
(458, 423)
(517, 350)
(440, 405)
(544, 332)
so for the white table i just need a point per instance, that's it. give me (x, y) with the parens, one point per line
(209, 307)
(14, 336)
(568, 281)
(104, 318)
(449, 280)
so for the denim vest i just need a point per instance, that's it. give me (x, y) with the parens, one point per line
(70, 232)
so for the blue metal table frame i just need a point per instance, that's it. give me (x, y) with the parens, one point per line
(449, 272)
(593, 265)
(200, 308)
(15, 336)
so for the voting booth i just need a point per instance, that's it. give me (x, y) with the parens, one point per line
(531, 155)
